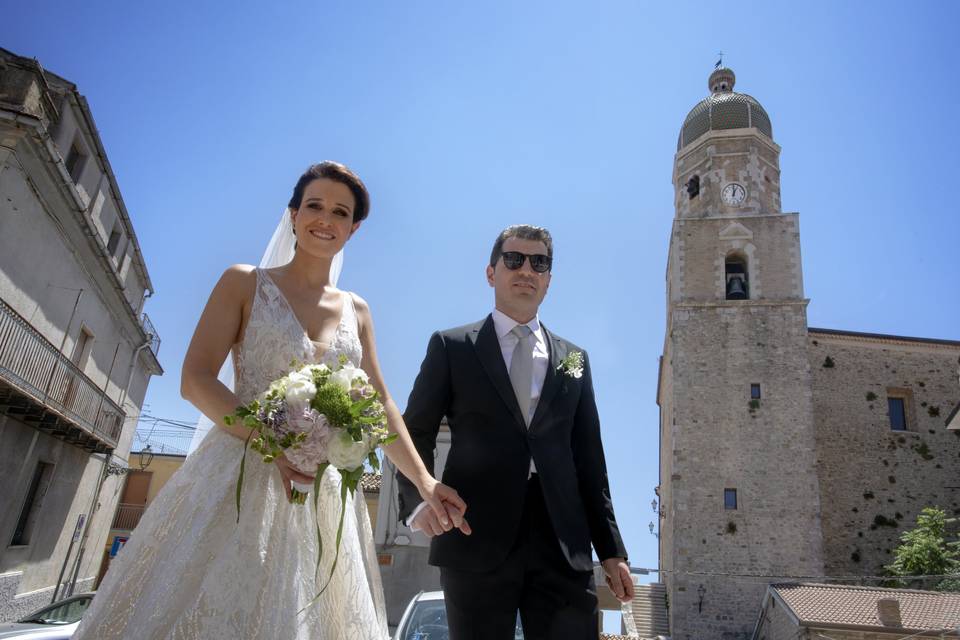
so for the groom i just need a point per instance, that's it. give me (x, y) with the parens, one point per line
(526, 457)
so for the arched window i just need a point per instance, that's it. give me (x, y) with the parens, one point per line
(738, 281)
(693, 187)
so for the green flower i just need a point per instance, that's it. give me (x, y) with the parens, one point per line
(572, 364)
(335, 404)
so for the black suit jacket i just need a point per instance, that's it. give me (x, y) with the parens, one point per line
(464, 378)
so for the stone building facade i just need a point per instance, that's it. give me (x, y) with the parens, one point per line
(76, 350)
(766, 454)
(870, 497)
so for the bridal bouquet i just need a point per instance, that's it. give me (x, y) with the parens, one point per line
(317, 417)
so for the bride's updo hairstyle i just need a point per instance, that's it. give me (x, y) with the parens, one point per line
(338, 173)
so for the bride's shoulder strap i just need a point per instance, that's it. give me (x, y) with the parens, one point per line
(351, 301)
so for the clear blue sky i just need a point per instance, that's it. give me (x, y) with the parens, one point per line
(464, 119)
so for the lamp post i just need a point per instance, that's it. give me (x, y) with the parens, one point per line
(146, 457)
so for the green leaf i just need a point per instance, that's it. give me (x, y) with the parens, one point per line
(362, 405)
(243, 462)
(316, 496)
(336, 557)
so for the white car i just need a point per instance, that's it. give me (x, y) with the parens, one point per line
(56, 621)
(426, 619)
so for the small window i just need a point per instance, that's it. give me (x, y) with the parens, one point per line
(75, 160)
(900, 408)
(754, 391)
(693, 187)
(738, 281)
(31, 505)
(898, 414)
(729, 498)
(115, 243)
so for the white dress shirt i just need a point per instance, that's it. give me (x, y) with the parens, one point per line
(503, 326)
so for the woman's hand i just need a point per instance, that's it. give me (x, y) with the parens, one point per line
(290, 474)
(446, 507)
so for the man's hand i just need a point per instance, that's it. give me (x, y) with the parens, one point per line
(618, 578)
(446, 507)
(430, 525)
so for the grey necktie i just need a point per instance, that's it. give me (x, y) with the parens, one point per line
(521, 368)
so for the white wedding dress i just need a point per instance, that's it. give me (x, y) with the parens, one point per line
(191, 572)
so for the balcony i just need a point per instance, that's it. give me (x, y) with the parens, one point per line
(151, 332)
(127, 516)
(42, 388)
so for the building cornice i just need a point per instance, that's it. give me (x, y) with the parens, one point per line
(138, 261)
(748, 133)
(881, 338)
(736, 304)
(735, 216)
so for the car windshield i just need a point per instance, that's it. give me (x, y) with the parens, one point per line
(66, 612)
(428, 621)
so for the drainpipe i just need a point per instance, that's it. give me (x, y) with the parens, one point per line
(66, 332)
(94, 507)
(133, 364)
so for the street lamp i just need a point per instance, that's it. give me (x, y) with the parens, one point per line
(146, 457)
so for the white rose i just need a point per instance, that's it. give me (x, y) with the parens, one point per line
(345, 453)
(300, 389)
(344, 377)
(311, 369)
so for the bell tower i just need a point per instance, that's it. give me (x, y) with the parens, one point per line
(738, 486)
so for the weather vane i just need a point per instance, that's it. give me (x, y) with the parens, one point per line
(719, 62)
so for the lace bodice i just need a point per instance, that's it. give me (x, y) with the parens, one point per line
(274, 338)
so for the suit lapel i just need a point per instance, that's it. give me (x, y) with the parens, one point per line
(491, 358)
(553, 379)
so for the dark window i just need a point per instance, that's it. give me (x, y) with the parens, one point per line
(898, 414)
(693, 187)
(74, 161)
(31, 505)
(729, 498)
(737, 279)
(113, 244)
(754, 391)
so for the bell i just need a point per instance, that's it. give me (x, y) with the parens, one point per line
(736, 290)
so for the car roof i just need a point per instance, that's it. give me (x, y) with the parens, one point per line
(430, 595)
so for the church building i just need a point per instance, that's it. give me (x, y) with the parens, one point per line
(787, 453)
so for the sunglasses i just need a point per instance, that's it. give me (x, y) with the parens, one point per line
(513, 260)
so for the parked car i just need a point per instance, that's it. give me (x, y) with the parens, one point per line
(426, 619)
(56, 621)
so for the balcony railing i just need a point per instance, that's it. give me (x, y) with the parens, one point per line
(127, 516)
(152, 333)
(40, 386)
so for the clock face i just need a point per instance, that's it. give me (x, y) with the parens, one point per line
(733, 194)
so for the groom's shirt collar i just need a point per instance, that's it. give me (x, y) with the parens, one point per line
(504, 324)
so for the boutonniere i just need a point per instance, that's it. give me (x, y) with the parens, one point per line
(572, 364)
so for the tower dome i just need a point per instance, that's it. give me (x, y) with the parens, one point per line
(723, 109)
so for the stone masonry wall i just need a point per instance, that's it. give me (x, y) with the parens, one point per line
(765, 451)
(874, 481)
(771, 244)
(741, 156)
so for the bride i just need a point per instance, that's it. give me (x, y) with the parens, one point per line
(192, 571)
